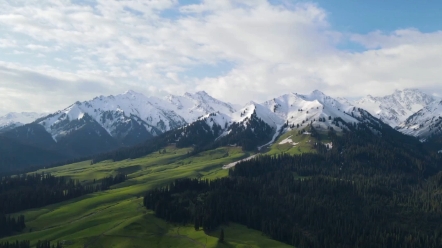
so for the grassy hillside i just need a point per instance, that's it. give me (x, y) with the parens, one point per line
(116, 218)
(294, 143)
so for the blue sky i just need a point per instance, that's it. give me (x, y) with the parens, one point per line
(54, 52)
(366, 16)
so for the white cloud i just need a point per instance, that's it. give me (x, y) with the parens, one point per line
(38, 48)
(4, 43)
(77, 51)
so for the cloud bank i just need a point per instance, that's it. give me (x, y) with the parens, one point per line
(55, 52)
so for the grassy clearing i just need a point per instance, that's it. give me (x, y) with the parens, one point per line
(304, 143)
(116, 218)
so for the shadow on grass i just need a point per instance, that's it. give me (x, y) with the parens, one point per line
(216, 234)
(130, 169)
(224, 244)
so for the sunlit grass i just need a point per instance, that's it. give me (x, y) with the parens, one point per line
(116, 218)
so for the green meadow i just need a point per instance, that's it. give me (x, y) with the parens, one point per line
(294, 143)
(116, 217)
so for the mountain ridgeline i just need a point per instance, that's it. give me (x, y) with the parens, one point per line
(253, 127)
(202, 135)
(100, 125)
(132, 124)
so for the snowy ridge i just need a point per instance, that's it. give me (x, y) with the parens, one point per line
(316, 108)
(121, 114)
(131, 117)
(13, 119)
(260, 111)
(424, 123)
(192, 106)
(395, 108)
(292, 111)
(220, 119)
(19, 118)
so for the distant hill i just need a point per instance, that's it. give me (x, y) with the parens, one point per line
(16, 156)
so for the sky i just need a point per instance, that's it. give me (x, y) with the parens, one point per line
(56, 52)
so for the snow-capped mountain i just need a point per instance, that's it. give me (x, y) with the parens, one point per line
(296, 111)
(424, 123)
(192, 106)
(316, 108)
(203, 122)
(105, 123)
(261, 112)
(118, 115)
(259, 124)
(13, 120)
(395, 108)
(133, 113)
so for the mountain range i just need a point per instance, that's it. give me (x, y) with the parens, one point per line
(107, 123)
(14, 119)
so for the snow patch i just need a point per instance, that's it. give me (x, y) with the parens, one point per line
(288, 141)
(227, 166)
(330, 145)
(273, 138)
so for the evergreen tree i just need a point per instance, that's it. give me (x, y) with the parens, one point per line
(221, 236)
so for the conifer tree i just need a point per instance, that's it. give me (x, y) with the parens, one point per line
(221, 236)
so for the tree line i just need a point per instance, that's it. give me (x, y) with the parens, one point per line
(10, 225)
(22, 192)
(27, 244)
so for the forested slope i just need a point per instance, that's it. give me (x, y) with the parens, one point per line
(368, 191)
(15, 156)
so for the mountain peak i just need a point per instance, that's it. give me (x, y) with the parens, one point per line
(132, 93)
(21, 118)
(317, 92)
(253, 103)
(425, 122)
(408, 91)
(129, 92)
(412, 90)
(395, 108)
(314, 95)
(202, 93)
